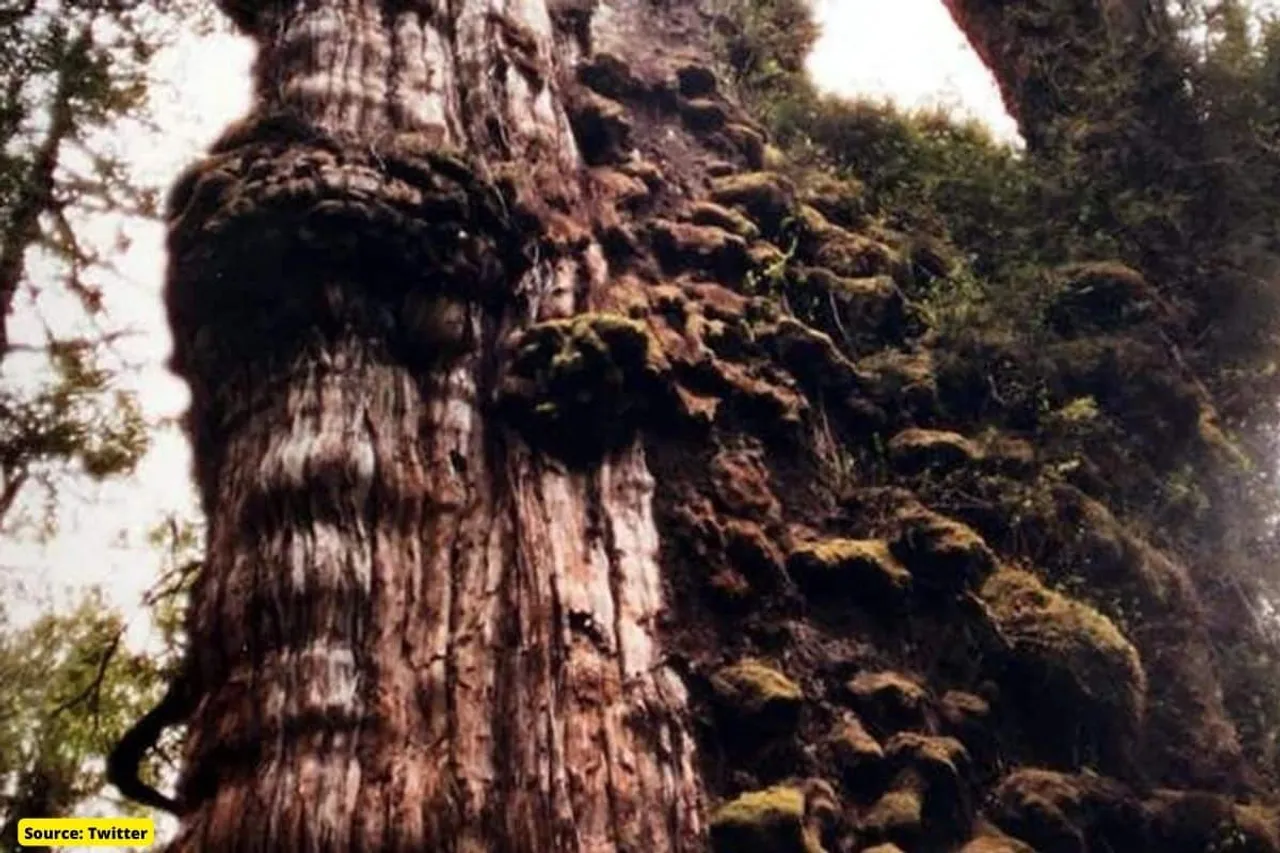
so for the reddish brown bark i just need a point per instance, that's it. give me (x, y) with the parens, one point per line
(412, 632)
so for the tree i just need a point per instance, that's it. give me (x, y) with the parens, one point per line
(74, 75)
(452, 643)
(545, 516)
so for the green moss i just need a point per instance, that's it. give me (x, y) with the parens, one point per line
(1069, 644)
(856, 752)
(898, 814)
(768, 821)
(841, 200)
(1101, 297)
(856, 256)
(750, 688)
(1061, 811)
(889, 700)
(569, 377)
(940, 552)
(996, 844)
(709, 213)
(601, 126)
(683, 246)
(916, 450)
(767, 197)
(861, 569)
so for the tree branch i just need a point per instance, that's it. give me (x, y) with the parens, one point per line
(123, 762)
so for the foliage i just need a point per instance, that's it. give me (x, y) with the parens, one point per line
(71, 690)
(79, 422)
(74, 75)
(74, 685)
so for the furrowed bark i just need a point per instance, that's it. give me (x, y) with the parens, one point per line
(413, 632)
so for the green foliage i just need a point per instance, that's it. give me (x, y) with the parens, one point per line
(78, 422)
(73, 74)
(71, 689)
(73, 686)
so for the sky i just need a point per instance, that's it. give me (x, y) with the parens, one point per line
(907, 50)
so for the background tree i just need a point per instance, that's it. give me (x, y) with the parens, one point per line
(73, 78)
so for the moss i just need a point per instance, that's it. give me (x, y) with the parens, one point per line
(611, 76)
(855, 256)
(913, 451)
(764, 255)
(753, 691)
(749, 142)
(1101, 297)
(703, 114)
(856, 753)
(936, 757)
(710, 213)
(940, 771)
(812, 357)
(942, 554)
(907, 381)
(841, 200)
(682, 246)
(1062, 811)
(623, 189)
(996, 844)
(890, 701)
(859, 569)
(767, 821)
(601, 127)
(967, 717)
(1008, 455)
(864, 314)
(1210, 822)
(645, 171)
(1084, 668)
(813, 225)
(898, 815)
(767, 197)
(568, 379)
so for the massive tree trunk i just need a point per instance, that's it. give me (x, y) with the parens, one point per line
(413, 631)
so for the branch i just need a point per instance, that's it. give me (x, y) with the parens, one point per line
(94, 688)
(123, 762)
(9, 494)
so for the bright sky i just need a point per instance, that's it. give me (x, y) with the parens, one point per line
(908, 50)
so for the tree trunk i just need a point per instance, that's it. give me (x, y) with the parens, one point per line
(413, 632)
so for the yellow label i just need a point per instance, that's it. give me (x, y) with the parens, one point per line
(87, 832)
